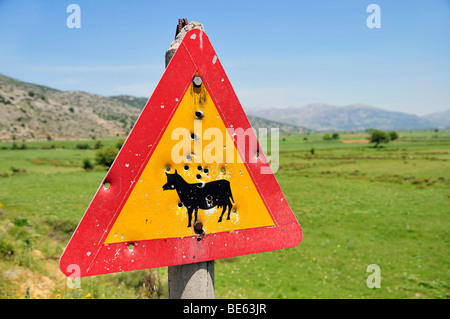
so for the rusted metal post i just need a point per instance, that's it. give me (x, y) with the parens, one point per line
(189, 281)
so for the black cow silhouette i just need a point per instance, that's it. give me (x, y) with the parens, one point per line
(201, 195)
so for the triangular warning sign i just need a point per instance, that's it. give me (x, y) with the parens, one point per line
(191, 159)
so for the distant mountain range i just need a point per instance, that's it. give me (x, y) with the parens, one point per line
(255, 121)
(355, 117)
(31, 111)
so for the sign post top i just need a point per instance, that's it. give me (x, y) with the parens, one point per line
(185, 163)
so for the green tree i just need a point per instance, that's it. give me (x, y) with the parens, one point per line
(378, 136)
(393, 135)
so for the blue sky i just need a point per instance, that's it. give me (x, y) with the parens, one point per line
(276, 53)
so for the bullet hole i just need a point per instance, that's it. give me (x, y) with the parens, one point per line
(189, 157)
(206, 171)
(257, 154)
(131, 246)
(167, 168)
(198, 229)
(223, 170)
(199, 114)
(106, 185)
(201, 184)
(193, 136)
(199, 176)
(180, 204)
(200, 168)
(186, 167)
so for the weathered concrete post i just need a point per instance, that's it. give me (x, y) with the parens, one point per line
(190, 281)
(182, 28)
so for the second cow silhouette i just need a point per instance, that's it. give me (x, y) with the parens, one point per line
(201, 195)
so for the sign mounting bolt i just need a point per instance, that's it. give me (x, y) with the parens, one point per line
(197, 81)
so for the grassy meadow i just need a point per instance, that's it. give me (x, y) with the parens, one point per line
(357, 206)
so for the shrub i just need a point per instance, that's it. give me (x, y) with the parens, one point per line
(98, 145)
(119, 143)
(106, 155)
(6, 249)
(19, 221)
(16, 170)
(87, 165)
(84, 146)
(20, 234)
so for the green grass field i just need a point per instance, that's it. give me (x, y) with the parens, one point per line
(357, 206)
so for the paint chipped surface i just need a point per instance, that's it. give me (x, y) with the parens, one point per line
(107, 204)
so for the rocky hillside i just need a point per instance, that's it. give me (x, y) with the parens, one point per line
(30, 111)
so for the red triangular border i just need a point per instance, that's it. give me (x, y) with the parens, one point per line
(86, 255)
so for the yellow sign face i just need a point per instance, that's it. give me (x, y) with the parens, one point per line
(195, 164)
